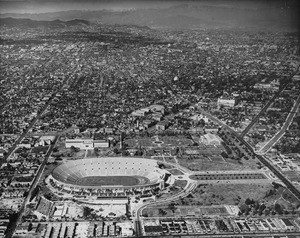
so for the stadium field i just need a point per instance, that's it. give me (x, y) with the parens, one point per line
(111, 181)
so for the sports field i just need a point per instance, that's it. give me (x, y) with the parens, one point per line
(112, 180)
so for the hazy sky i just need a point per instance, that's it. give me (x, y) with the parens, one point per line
(260, 14)
(41, 6)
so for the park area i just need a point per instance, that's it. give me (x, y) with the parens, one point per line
(205, 163)
(251, 199)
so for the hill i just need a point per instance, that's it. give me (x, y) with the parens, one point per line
(186, 16)
(9, 21)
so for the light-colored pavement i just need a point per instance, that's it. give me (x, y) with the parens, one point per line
(264, 149)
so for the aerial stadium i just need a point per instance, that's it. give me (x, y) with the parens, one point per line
(109, 176)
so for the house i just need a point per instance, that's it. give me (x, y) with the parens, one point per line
(157, 108)
(162, 125)
(288, 225)
(157, 116)
(2, 152)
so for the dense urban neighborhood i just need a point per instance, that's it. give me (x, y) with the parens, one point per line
(129, 131)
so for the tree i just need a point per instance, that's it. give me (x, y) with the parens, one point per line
(262, 207)
(249, 201)
(74, 149)
(162, 212)
(276, 185)
(278, 209)
(87, 211)
(270, 193)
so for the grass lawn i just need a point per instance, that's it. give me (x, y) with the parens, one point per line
(206, 165)
(218, 194)
(175, 172)
(40, 149)
(180, 183)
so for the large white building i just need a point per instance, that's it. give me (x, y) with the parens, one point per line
(272, 86)
(227, 102)
(86, 143)
(46, 140)
(153, 108)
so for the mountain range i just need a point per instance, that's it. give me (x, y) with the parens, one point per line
(184, 16)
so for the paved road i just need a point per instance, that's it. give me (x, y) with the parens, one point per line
(32, 187)
(52, 133)
(262, 159)
(267, 106)
(22, 136)
(138, 213)
(232, 234)
(255, 119)
(218, 121)
(283, 129)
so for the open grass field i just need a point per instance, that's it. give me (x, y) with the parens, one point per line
(231, 194)
(180, 183)
(40, 149)
(91, 154)
(183, 211)
(175, 172)
(111, 181)
(199, 163)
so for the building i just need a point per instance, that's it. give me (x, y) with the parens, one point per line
(3, 226)
(64, 176)
(226, 102)
(141, 112)
(232, 210)
(101, 143)
(153, 108)
(296, 77)
(272, 86)
(157, 108)
(83, 143)
(46, 140)
(26, 143)
(162, 125)
(2, 152)
(157, 116)
(288, 225)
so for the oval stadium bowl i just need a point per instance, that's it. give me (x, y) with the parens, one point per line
(109, 172)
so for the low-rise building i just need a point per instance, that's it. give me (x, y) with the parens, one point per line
(84, 143)
(162, 125)
(226, 102)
